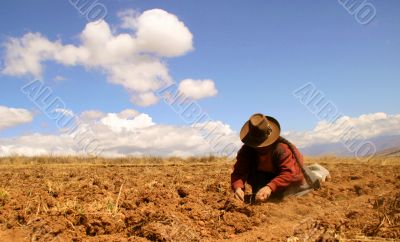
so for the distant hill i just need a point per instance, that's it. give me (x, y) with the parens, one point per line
(395, 151)
(385, 145)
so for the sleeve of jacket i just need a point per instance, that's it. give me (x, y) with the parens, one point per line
(241, 168)
(289, 171)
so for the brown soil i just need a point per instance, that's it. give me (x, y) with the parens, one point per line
(190, 203)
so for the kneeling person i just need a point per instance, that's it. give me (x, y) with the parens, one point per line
(269, 163)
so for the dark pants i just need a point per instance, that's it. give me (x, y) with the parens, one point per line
(260, 179)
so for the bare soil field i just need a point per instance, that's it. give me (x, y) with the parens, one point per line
(67, 199)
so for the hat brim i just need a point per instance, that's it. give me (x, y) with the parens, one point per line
(250, 141)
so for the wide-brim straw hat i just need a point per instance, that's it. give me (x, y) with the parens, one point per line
(260, 131)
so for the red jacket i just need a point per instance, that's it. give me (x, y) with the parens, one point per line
(277, 159)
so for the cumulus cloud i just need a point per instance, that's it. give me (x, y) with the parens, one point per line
(363, 127)
(128, 114)
(132, 59)
(37, 144)
(118, 124)
(162, 33)
(11, 117)
(197, 89)
(132, 133)
(129, 133)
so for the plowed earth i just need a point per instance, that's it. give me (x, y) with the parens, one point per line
(190, 203)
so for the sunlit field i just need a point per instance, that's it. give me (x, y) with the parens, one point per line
(177, 199)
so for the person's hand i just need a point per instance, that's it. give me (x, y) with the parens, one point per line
(239, 194)
(263, 194)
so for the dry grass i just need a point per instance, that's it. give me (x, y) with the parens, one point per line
(4, 196)
(377, 160)
(94, 160)
(195, 160)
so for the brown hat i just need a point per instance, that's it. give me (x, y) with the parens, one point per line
(260, 131)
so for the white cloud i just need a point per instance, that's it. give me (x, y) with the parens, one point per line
(132, 59)
(128, 19)
(91, 115)
(11, 117)
(197, 89)
(128, 133)
(24, 56)
(64, 111)
(145, 99)
(10, 150)
(162, 33)
(118, 124)
(128, 114)
(132, 133)
(365, 126)
(37, 144)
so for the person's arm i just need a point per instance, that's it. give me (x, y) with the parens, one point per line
(241, 168)
(289, 171)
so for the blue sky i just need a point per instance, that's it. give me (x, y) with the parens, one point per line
(256, 54)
